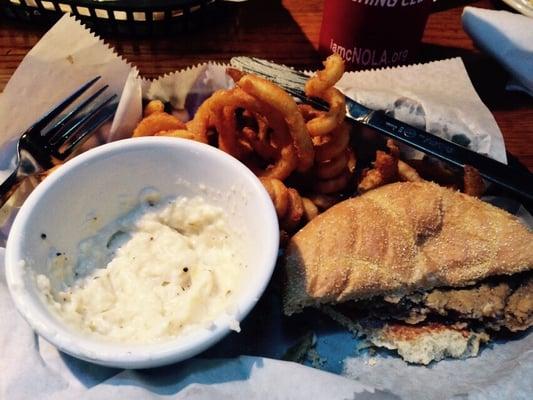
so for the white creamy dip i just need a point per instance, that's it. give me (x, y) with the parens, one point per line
(154, 273)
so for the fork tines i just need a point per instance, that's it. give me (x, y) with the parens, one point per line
(59, 108)
(67, 133)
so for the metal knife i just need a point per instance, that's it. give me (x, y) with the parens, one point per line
(517, 180)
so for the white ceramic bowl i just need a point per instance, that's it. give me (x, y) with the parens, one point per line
(106, 181)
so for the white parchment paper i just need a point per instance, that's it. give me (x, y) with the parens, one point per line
(67, 56)
(440, 99)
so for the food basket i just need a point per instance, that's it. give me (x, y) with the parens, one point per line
(130, 17)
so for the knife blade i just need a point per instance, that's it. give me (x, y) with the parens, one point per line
(517, 180)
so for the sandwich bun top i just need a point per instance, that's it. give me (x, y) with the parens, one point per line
(399, 238)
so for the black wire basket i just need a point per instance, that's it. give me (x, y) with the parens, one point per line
(131, 17)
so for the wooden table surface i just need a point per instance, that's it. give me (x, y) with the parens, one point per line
(287, 31)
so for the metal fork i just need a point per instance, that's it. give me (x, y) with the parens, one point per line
(517, 180)
(39, 149)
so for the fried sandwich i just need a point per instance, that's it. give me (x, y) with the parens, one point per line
(416, 268)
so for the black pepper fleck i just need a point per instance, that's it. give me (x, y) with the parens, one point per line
(58, 254)
(185, 269)
(43, 236)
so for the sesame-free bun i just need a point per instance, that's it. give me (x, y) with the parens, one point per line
(400, 238)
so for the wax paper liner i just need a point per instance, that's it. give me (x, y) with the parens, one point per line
(67, 56)
(437, 96)
(32, 368)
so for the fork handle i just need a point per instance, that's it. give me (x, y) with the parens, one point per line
(9, 186)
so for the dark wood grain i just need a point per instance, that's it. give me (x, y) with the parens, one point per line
(287, 31)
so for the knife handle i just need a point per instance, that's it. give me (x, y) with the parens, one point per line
(518, 181)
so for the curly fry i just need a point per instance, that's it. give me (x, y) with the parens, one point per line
(235, 74)
(228, 141)
(321, 86)
(335, 145)
(326, 78)
(292, 219)
(436, 172)
(287, 161)
(323, 201)
(310, 209)
(291, 208)
(179, 133)
(259, 145)
(394, 150)
(261, 125)
(408, 173)
(44, 174)
(324, 124)
(418, 170)
(278, 193)
(157, 122)
(352, 161)
(334, 185)
(333, 167)
(385, 169)
(153, 106)
(203, 119)
(334, 162)
(266, 142)
(223, 106)
(309, 112)
(473, 184)
(279, 100)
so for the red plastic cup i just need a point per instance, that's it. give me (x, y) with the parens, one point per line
(373, 33)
